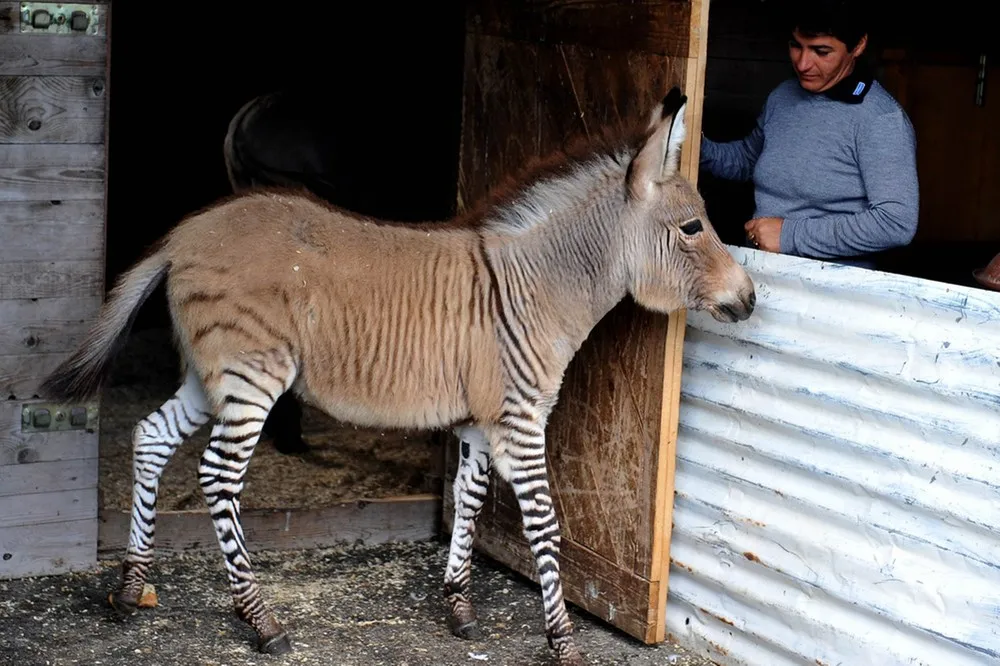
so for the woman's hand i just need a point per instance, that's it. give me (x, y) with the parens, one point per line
(765, 233)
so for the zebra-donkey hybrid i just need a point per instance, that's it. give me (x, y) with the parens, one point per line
(469, 325)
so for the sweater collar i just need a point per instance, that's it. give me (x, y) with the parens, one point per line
(853, 88)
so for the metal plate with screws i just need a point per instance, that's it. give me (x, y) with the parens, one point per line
(57, 18)
(51, 417)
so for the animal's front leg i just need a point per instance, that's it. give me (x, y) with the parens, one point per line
(520, 458)
(471, 484)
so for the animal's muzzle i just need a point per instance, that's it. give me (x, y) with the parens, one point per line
(736, 309)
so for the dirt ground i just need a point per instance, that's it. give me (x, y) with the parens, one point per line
(360, 606)
(345, 462)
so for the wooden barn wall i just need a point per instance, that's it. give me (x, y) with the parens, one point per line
(52, 199)
(537, 73)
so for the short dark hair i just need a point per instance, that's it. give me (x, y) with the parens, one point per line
(845, 20)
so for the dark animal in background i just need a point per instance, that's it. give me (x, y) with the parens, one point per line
(282, 138)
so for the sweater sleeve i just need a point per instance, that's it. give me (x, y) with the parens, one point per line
(886, 149)
(733, 160)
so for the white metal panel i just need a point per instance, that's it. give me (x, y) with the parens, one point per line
(838, 475)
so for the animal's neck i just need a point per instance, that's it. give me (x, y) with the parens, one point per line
(559, 250)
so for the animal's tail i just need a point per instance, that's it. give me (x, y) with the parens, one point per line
(82, 375)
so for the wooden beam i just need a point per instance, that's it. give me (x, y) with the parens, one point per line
(364, 521)
(694, 87)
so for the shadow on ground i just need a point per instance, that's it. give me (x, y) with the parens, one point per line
(360, 606)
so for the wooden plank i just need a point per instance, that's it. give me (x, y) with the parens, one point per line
(54, 229)
(47, 230)
(412, 518)
(43, 508)
(673, 354)
(21, 375)
(18, 448)
(642, 25)
(43, 477)
(45, 325)
(48, 549)
(52, 55)
(32, 172)
(40, 155)
(52, 109)
(51, 279)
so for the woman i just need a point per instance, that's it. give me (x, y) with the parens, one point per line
(833, 155)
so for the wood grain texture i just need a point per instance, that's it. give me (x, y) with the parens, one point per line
(652, 26)
(43, 508)
(21, 375)
(413, 518)
(71, 230)
(51, 172)
(52, 109)
(537, 74)
(45, 325)
(46, 549)
(51, 279)
(46, 477)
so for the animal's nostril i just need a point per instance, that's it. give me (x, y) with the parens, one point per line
(752, 301)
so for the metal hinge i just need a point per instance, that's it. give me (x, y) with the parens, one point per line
(52, 417)
(57, 18)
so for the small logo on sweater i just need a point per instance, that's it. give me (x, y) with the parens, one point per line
(858, 88)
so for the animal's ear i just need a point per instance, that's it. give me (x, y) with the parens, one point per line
(659, 158)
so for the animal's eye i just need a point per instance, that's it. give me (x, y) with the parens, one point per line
(692, 227)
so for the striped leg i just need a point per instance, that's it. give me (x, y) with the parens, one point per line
(154, 440)
(247, 396)
(520, 459)
(470, 488)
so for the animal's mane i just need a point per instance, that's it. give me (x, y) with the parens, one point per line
(607, 143)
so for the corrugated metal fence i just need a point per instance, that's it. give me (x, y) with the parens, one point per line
(838, 473)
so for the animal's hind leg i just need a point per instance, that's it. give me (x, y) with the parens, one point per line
(470, 488)
(154, 440)
(246, 392)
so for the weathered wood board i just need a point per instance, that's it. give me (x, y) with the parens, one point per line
(537, 73)
(374, 521)
(53, 97)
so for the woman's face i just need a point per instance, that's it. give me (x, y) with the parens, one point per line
(821, 62)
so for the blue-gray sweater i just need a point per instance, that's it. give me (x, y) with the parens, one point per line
(843, 176)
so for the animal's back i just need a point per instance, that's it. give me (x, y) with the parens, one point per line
(388, 324)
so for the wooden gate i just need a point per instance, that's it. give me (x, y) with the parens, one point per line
(53, 92)
(537, 72)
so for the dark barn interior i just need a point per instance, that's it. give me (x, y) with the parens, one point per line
(387, 80)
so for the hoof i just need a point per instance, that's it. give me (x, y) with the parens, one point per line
(279, 644)
(571, 660)
(124, 606)
(469, 631)
(566, 652)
